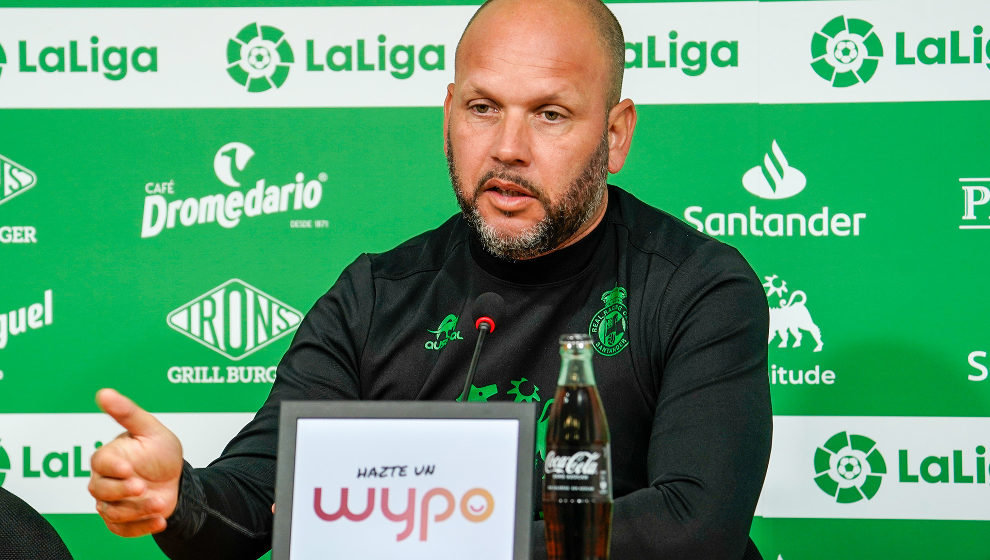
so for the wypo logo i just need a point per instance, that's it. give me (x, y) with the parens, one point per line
(229, 164)
(235, 319)
(259, 58)
(776, 179)
(849, 468)
(475, 505)
(15, 179)
(846, 51)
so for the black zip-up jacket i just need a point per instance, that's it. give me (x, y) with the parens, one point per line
(679, 322)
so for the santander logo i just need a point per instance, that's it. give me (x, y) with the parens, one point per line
(475, 505)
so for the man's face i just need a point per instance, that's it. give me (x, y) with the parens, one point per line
(526, 123)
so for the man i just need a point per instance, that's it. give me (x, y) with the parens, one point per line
(532, 125)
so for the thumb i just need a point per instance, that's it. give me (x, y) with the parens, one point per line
(133, 418)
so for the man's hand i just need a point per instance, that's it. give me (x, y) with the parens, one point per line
(135, 477)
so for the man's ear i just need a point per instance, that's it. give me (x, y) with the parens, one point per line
(621, 123)
(446, 113)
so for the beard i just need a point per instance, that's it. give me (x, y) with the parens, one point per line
(562, 219)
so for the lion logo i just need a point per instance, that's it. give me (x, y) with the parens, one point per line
(791, 316)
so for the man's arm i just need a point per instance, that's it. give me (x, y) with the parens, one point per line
(225, 510)
(710, 441)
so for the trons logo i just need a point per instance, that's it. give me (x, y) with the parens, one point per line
(259, 58)
(976, 197)
(775, 179)
(14, 179)
(227, 209)
(235, 319)
(849, 468)
(4, 464)
(445, 333)
(846, 51)
(791, 315)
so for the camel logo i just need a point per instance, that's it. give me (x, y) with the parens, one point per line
(775, 179)
(4, 464)
(846, 52)
(259, 58)
(230, 156)
(235, 319)
(608, 326)
(791, 315)
(849, 468)
(444, 333)
(14, 179)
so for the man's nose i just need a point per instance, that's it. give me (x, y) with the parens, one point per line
(512, 143)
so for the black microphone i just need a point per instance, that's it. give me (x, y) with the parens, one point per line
(486, 310)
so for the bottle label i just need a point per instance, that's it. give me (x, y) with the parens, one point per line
(577, 473)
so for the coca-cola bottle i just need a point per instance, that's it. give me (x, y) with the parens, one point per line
(577, 473)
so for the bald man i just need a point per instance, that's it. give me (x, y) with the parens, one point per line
(533, 124)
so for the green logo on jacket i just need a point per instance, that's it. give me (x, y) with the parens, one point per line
(608, 326)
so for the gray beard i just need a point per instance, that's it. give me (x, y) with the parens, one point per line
(562, 220)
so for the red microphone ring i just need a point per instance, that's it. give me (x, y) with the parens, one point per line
(488, 320)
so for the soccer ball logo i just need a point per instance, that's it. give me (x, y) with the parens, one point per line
(259, 58)
(849, 468)
(3, 58)
(846, 52)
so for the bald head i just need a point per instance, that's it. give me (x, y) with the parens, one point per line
(601, 23)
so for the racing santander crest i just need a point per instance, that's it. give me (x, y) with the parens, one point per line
(608, 326)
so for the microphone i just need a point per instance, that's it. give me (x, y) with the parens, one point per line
(486, 310)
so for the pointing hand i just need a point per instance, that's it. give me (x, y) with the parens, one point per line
(135, 477)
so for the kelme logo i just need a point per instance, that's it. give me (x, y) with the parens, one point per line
(235, 319)
(259, 57)
(444, 333)
(608, 326)
(775, 179)
(849, 468)
(846, 51)
(14, 179)
(4, 464)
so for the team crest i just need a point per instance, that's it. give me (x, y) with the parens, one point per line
(608, 326)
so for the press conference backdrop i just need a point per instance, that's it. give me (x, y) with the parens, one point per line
(182, 180)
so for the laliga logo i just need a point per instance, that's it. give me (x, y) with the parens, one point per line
(476, 505)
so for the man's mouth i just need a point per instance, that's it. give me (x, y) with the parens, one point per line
(506, 188)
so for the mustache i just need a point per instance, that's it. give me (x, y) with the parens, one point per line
(503, 175)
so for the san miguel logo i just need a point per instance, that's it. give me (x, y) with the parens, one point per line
(608, 326)
(14, 179)
(235, 319)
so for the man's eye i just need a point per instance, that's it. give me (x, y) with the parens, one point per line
(551, 115)
(481, 109)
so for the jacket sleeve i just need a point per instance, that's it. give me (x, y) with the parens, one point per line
(710, 441)
(225, 509)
